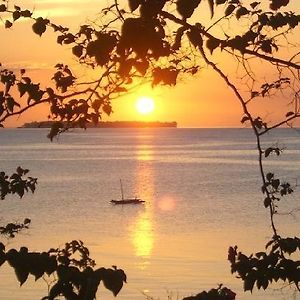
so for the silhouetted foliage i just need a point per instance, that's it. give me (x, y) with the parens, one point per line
(158, 41)
(220, 293)
(263, 268)
(76, 278)
(11, 229)
(16, 184)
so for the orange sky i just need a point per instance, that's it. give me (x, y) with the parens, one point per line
(200, 101)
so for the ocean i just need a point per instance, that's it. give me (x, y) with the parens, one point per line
(202, 193)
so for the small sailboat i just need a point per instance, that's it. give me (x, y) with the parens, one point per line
(126, 200)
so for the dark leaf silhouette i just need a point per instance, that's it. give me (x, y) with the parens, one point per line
(100, 49)
(220, 293)
(218, 2)
(266, 46)
(244, 119)
(26, 13)
(141, 67)
(77, 50)
(249, 283)
(241, 11)
(212, 44)
(177, 42)
(55, 130)
(254, 4)
(8, 24)
(167, 76)
(113, 279)
(39, 27)
(186, 7)
(107, 109)
(277, 4)
(134, 4)
(150, 8)
(16, 15)
(211, 7)
(22, 275)
(2, 7)
(289, 114)
(195, 37)
(229, 10)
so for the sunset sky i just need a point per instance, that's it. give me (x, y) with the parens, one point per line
(199, 101)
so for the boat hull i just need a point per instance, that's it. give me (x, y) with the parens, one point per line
(127, 201)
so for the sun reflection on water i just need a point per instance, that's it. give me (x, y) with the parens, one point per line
(144, 154)
(142, 229)
(142, 235)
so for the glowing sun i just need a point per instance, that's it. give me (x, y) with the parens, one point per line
(145, 105)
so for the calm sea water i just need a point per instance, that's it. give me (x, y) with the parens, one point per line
(202, 194)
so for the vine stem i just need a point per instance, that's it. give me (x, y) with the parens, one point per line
(204, 32)
(255, 130)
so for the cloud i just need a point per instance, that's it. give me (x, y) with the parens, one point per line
(29, 65)
(66, 8)
(57, 12)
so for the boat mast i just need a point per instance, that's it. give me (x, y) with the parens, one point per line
(121, 189)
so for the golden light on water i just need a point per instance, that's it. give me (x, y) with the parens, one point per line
(145, 154)
(142, 235)
(142, 230)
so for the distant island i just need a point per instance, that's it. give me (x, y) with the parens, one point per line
(108, 124)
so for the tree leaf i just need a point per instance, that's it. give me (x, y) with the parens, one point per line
(229, 10)
(77, 50)
(267, 202)
(134, 4)
(113, 279)
(16, 15)
(26, 13)
(39, 27)
(242, 11)
(268, 151)
(142, 66)
(2, 8)
(177, 42)
(289, 114)
(8, 24)
(166, 76)
(249, 283)
(10, 103)
(269, 176)
(21, 273)
(211, 7)
(195, 37)
(27, 221)
(254, 4)
(275, 183)
(55, 290)
(186, 7)
(212, 44)
(266, 46)
(55, 129)
(107, 109)
(254, 94)
(22, 87)
(2, 258)
(120, 89)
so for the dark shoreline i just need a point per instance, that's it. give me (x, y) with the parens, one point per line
(108, 124)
